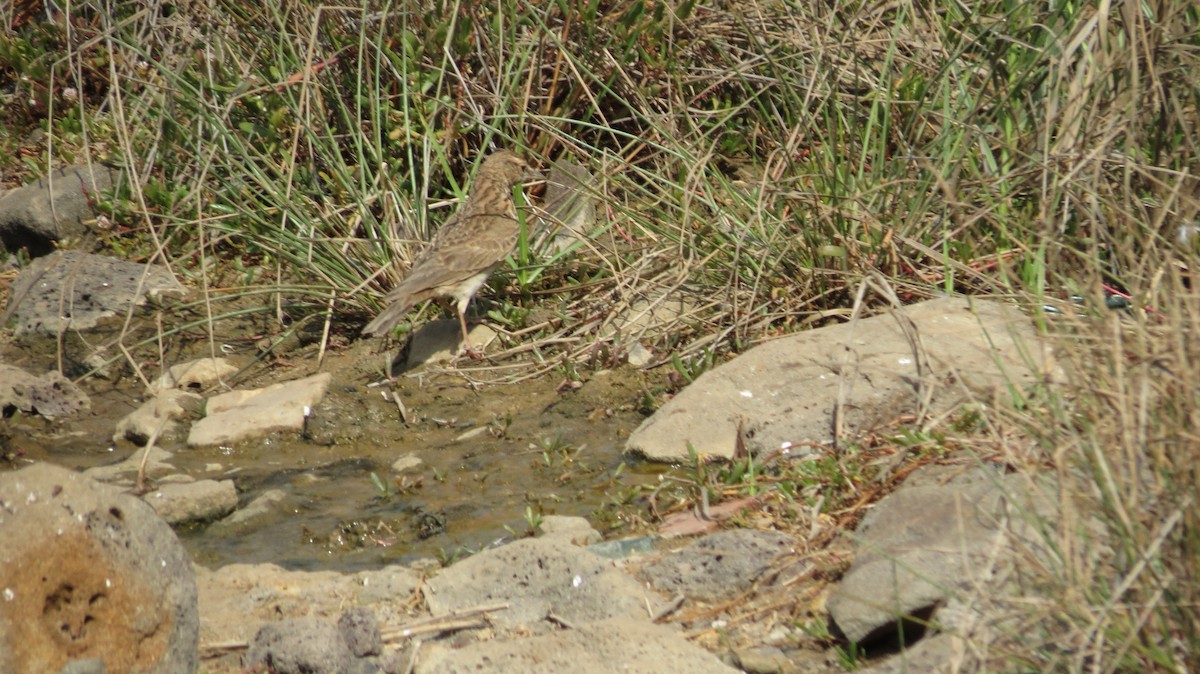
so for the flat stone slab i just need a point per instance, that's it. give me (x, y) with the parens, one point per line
(241, 415)
(793, 392)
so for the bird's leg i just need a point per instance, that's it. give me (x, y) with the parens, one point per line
(471, 353)
(387, 367)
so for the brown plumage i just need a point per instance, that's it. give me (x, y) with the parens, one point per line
(472, 243)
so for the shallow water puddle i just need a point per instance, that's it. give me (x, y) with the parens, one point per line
(486, 457)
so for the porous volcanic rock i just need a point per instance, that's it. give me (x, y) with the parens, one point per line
(88, 572)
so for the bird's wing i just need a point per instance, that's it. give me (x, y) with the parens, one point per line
(457, 254)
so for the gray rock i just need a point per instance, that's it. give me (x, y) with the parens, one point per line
(573, 530)
(197, 375)
(391, 583)
(785, 393)
(639, 356)
(440, 340)
(200, 501)
(52, 209)
(261, 508)
(570, 203)
(239, 599)
(928, 545)
(158, 417)
(50, 394)
(614, 645)
(717, 566)
(90, 573)
(237, 416)
(762, 660)
(406, 463)
(73, 290)
(938, 654)
(536, 577)
(645, 315)
(360, 630)
(300, 646)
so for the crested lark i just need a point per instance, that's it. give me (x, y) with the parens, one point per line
(472, 243)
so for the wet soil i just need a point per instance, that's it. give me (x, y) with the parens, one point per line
(492, 459)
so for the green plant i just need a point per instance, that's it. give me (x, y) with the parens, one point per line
(849, 656)
(694, 367)
(557, 450)
(380, 486)
(447, 557)
(533, 521)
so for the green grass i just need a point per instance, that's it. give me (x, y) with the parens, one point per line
(755, 165)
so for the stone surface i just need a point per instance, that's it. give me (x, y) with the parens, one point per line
(300, 646)
(786, 393)
(73, 290)
(718, 566)
(360, 632)
(241, 415)
(440, 341)
(49, 394)
(88, 572)
(938, 654)
(262, 507)
(159, 417)
(238, 599)
(393, 583)
(52, 209)
(199, 501)
(639, 356)
(614, 645)
(762, 660)
(536, 577)
(406, 463)
(197, 375)
(574, 530)
(930, 544)
(645, 315)
(569, 205)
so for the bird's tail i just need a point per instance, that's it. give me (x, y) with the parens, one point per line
(387, 319)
